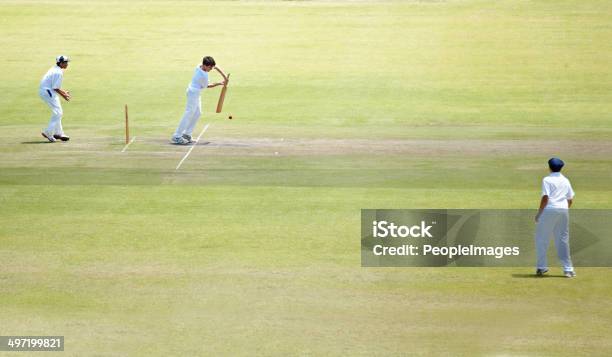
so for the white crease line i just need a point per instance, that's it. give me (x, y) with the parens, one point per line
(191, 148)
(128, 144)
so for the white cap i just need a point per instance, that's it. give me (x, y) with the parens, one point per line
(62, 58)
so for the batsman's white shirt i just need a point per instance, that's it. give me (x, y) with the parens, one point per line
(199, 81)
(558, 189)
(51, 80)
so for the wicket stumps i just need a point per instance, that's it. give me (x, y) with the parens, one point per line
(127, 126)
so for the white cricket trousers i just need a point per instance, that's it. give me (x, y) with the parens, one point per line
(193, 110)
(553, 222)
(53, 101)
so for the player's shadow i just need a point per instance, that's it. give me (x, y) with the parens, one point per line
(533, 276)
(35, 142)
(192, 144)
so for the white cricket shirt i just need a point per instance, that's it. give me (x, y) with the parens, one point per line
(558, 189)
(199, 80)
(52, 80)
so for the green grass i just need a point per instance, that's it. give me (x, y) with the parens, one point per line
(243, 251)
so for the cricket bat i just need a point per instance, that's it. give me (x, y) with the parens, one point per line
(222, 96)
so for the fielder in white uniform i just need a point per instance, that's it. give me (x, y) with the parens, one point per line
(193, 109)
(49, 91)
(553, 219)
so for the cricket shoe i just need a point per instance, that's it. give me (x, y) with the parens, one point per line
(48, 137)
(569, 274)
(188, 138)
(541, 272)
(179, 140)
(62, 137)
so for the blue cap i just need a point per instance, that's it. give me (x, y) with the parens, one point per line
(62, 58)
(555, 164)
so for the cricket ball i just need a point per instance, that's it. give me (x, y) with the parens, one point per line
(229, 117)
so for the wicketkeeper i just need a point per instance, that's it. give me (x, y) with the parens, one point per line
(49, 91)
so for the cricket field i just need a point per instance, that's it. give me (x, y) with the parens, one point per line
(252, 247)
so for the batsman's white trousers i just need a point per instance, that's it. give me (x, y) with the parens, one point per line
(53, 101)
(553, 222)
(193, 110)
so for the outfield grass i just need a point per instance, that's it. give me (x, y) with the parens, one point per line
(252, 247)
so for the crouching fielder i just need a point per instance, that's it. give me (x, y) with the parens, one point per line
(553, 219)
(49, 91)
(193, 109)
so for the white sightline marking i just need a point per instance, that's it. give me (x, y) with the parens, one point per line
(191, 148)
(128, 144)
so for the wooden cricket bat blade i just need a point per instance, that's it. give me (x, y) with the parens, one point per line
(222, 95)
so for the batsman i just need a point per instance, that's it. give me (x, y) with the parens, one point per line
(193, 109)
